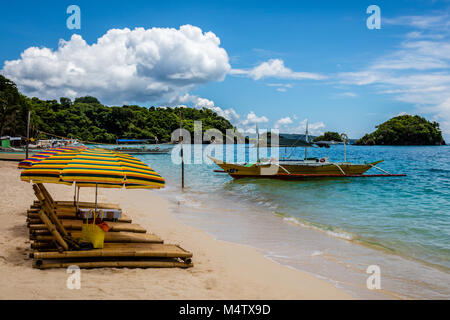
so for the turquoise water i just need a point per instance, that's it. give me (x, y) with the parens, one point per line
(404, 216)
(408, 215)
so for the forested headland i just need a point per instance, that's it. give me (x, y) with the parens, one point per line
(86, 119)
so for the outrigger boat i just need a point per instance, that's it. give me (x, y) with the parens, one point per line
(297, 169)
(156, 150)
(300, 169)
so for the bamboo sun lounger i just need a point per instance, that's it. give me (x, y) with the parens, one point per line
(71, 213)
(48, 196)
(53, 243)
(74, 224)
(60, 204)
(116, 237)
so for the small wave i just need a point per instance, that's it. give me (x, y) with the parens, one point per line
(328, 230)
(441, 170)
(271, 255)
(182, 199)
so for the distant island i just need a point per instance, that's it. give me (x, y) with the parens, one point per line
(329, 136)
(404, 130)
(88, 120)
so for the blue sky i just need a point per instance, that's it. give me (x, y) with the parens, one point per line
(278, 62)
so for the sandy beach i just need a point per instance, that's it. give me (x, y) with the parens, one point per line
(222, 270)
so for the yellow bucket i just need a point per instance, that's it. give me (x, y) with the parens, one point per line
(92, 232)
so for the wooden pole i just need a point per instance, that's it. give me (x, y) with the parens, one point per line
(78, 198)
(115, 264)
(49, 210)
(115, 237)
(28, 133)
(181, 153)
(96, 188)
(121, 250)
(53, 230)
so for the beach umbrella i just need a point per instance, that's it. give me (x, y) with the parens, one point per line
(138, 174)
(48, 170)
(42, 155)
(109, 169)
(37, 157)
(93, 168)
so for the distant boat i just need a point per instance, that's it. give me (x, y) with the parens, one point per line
(156, 150)
(137, 141)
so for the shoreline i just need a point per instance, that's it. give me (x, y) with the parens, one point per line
(339, 261)
(222, 270)
(355, 239)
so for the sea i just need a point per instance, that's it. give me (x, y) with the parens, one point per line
(348, 231)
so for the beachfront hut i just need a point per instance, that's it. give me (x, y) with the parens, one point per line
(8, 142)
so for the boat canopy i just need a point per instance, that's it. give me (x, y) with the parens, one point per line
(292, 140)
(132, 140)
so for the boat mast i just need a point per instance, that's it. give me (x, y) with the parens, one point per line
(345, 139)
(306, 138)
(257, 143)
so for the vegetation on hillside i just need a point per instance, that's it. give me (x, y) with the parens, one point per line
(13, 109)
(87, 119)
(329, 136)
(404, 130)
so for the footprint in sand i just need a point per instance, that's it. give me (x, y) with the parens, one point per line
(210, 283)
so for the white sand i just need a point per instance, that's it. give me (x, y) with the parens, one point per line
(221, 270)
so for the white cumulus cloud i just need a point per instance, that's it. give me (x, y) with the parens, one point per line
(199, 102)
(275, 68)
(417, 72)
(283, 122)
(142, 65)
(252, 118)
(293, 125)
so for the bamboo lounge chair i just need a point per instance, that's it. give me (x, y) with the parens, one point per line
(72, 204)
(125, 254)
(69, 210)
(71, 224)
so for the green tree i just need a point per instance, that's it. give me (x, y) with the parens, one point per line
(13, 109)
(87, 119)
(329, 136)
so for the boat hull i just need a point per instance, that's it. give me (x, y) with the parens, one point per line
(147, 152)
